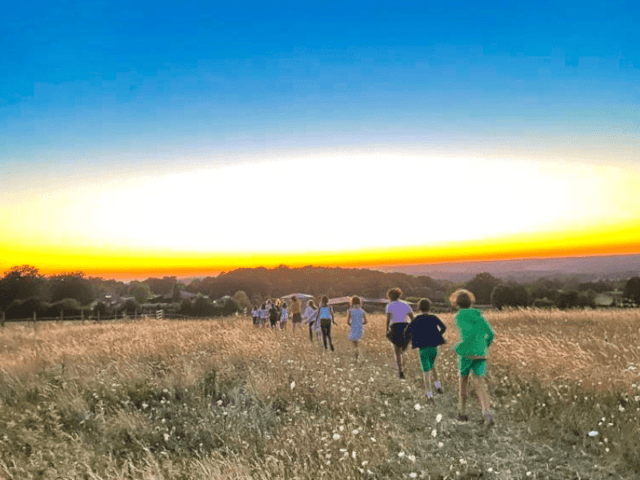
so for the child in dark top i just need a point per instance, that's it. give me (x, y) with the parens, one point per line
(426, 332)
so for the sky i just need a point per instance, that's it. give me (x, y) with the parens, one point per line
(141, 138)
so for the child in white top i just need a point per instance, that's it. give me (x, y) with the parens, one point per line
(326, 319)
(263, 315)
(309, 316)
(397, 314)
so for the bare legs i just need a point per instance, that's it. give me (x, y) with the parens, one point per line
(399, 351)
(483, 397)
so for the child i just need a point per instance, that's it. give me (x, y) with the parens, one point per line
(309, 317)
(263, 314)
(356, 319)
(255, 313)
(296, 308)
(397, 314)
(324, 315)
(475, 337)
(274, 314)
(284, 316)
(426, 334)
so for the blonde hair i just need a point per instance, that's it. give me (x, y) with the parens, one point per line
(462, 298)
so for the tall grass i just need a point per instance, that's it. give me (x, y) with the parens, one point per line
(220, 399)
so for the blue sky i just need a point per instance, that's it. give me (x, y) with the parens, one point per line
(92, 93)
(129, 80)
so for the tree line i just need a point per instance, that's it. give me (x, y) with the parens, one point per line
(24, 290)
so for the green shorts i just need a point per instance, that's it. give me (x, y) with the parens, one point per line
(467, 365)
(428, 358)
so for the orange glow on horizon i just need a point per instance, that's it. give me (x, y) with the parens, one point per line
(140, 263)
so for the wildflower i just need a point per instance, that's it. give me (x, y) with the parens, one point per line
(412, 458)
(336, 436)
(438, 418)
(593, 433)
(417, 407)
(401, 454)
(440, 444)
(434, 433)
(528, 474)
(293, 385)
(413, 475)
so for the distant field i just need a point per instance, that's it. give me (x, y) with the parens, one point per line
(220, 399)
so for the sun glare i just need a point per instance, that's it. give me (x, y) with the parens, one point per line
(327, 204)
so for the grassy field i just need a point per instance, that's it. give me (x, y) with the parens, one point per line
(217, 399)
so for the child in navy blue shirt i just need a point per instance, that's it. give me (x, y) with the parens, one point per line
(426, 332)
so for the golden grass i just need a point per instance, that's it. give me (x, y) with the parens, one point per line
(599, 349)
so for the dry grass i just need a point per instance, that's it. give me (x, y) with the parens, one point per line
(133, 396)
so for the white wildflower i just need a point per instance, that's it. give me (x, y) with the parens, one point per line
(438, 418)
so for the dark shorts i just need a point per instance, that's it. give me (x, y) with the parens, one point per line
(396, 335)
(297, 318)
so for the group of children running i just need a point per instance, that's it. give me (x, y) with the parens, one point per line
(424, 332)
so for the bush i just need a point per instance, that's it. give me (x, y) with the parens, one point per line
(509, 296)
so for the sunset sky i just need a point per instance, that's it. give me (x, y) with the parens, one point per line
(151, 138)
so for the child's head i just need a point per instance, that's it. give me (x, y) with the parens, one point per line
(424, 305)
(324, 300)
(293, 299)
(355, 301)
(284, 304)
(394, 294)
(264, 305)
(462, 298)
(311, 303)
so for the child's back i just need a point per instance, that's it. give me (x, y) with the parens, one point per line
(475, 333)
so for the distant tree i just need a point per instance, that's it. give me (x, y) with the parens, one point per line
(242, 300)
(19, 283)
(71, 285)
(130, 306)
(176, 296)
(100, 308)
(482, 285)
(161, 286)
(509, 296)
(24, 309)
(567, 299)
(631, 290)
(65, 307)
(140, 291)
(202, 307)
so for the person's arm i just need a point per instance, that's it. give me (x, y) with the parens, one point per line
(364, 317)
(441, 326)
(349, 317)
(333, 320)
(389, 315)
(490, 334)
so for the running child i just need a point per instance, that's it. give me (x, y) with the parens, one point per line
(356, 319)
(263, 315)
(398, 312)
(324, 315)
(426, 334)
(476, 336)
(255, 315)
(309, 317)
(284, 316)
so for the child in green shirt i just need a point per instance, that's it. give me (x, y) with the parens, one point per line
(475, 337)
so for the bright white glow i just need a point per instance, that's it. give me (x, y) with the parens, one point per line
(332, 203)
